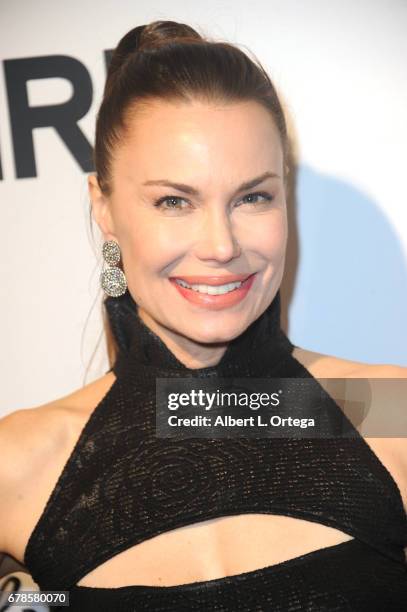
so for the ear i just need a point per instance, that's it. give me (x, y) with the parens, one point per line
(101, 209)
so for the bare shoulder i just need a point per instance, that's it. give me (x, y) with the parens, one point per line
(36, 443)
(329, 366)
(325, 366)
(27, 438)
(22, 434)
(391, 451)
(27, 431)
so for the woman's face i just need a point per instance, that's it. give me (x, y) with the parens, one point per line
(206, 226)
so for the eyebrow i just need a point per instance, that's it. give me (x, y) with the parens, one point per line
(195, 192)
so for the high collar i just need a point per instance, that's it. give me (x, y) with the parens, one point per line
(261, 348)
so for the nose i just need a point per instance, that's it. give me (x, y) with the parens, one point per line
(217, 238)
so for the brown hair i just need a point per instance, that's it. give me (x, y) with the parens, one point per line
(172, 61)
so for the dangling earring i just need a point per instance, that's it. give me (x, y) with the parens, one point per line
(112, 279)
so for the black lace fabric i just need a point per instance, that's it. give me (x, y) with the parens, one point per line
(123, 485)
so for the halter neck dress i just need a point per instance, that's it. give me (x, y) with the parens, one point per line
(123, 485)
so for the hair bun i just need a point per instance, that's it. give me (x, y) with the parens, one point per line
(149, 36)
(158, 33)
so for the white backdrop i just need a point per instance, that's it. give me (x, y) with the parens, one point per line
(340, 67)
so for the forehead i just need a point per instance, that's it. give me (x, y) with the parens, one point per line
(197, 137)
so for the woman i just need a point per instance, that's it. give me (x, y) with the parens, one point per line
(192, 157)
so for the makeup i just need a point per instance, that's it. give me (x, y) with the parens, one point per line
(215, 302)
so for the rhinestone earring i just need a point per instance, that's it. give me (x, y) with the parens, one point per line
(112, 279)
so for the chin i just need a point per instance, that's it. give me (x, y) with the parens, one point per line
(218, 337)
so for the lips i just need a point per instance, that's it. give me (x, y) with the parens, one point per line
(218, 301)
(213, 280)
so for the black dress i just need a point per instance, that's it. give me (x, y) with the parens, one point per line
(123, 485)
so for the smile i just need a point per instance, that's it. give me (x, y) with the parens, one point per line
(211, 289)
(214, 296)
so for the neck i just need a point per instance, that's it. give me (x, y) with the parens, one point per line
(143, 353)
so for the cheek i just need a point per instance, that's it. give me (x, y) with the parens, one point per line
(266, 235)
(150, 246)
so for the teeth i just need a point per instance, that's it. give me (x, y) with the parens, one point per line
(210, 289)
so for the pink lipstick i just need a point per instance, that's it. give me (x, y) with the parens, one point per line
(230, 297)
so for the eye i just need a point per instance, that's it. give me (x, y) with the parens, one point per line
(263, 194)
(173, 199)
(171, 202)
